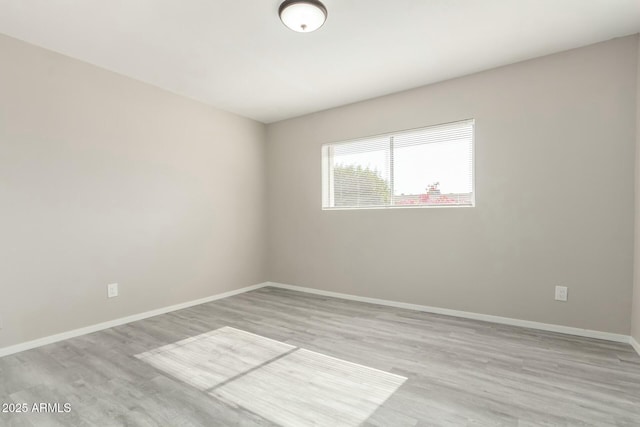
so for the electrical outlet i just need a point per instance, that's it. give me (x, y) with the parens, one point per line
(112, 290)
(562, 293)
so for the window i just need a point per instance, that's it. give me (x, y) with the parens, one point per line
(431, 166)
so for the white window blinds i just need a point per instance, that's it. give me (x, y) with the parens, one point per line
(431, 166)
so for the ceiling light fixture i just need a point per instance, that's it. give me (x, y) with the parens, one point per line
(303, 16)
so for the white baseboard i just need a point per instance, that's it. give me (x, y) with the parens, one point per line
(437, 310)
(121, 321)
(635, 345)
(466, 314)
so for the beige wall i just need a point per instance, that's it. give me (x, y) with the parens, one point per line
(104, 179)
(635, 321)
(555, 196)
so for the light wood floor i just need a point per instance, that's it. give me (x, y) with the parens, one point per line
(459, 372)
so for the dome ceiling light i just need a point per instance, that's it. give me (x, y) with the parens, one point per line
(303, 16)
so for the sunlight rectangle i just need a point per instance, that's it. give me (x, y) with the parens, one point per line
(305, 388)
(284, 384)
(207, 360)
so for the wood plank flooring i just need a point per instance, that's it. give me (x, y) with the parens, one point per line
(459, 372)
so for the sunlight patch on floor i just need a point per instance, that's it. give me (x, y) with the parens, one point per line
(287, 385)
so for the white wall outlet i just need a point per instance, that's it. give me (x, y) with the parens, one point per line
(562, 292)
(112, 290)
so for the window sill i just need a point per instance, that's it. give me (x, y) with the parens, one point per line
(397, 207)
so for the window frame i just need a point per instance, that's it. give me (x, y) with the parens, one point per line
(327, 196)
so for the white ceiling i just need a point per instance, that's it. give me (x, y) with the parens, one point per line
(236, 54)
